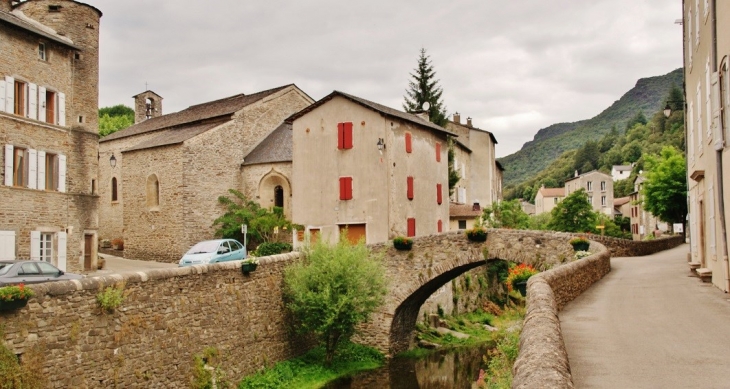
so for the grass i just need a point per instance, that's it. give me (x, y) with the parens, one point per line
(308, 371)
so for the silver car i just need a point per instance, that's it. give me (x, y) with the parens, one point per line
(32, 272)
(213, 251)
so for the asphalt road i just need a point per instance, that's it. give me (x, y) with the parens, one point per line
(116, 264)
(649, 324)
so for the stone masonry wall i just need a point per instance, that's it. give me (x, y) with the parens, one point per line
(631, 248)
(167, 317)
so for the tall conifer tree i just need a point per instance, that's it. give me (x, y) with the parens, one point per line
(424, 88)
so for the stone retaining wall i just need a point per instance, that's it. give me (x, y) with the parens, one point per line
(633, 248)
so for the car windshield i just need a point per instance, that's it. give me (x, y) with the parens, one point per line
(4, 267)
(208, 246)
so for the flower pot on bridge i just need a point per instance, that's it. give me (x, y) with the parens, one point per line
(10, 305)
(521, 287)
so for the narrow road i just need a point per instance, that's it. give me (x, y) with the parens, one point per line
(649, 324)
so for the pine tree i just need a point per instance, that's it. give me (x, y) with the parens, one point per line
(424, 88)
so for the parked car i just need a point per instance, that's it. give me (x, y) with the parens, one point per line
(32, 272)
(213, 251)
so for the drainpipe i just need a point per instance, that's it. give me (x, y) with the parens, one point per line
(719, 146)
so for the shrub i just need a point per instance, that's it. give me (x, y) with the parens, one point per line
(402, 243)
(578, 240)
(273, 248)
(111, 298)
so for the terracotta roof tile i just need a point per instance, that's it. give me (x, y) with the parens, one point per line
(620, 201)
(552, 192)
(463, 210)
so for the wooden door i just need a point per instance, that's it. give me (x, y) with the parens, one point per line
(354, 232)
(88, 241)
(313, 235)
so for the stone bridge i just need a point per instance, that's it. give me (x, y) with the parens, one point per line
(437, 259)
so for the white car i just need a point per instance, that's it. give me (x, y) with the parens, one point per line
(214, 251)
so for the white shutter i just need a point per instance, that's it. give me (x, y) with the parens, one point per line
(2, 96)
(32, 169)
(32, 101)
(691, 132)
(61, 259)
(711, 222)
(9, 165)
(61, 173)
(708, 103)
(715, 99)
(9, 94)
(61, 109)
(35, 245)
(7, 245)
(41, 103)
(41, 170)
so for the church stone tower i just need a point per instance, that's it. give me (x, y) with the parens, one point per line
(147, 105)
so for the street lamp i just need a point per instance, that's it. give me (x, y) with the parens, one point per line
(668, 107)
(113, 161)
(381, 145)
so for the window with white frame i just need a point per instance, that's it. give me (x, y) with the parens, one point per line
(603, 201)
(34, 169)
(49, 247)
(46, 247)
(603, 186)
(589, 186)
(32, 101)
(42, 52)
(698, 128)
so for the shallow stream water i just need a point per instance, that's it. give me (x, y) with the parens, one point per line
(455, 369)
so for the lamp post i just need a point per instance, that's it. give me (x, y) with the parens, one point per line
(113, 161)
(668, 107)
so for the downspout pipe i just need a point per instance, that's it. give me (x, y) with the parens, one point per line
(719, 146)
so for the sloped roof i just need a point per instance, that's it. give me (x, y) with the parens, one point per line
(587, 173)
(499, 165)
(174, 135)
(475, 129)
(18, 19)
(276, 147)
(386, 111)
(620, 201)
(552, 192)
(622, 168)
(214, 109)
(463, 210)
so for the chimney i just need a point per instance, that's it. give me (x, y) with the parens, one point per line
(468, 122)
(457, 118)
(423, 115)
(476, 207)
(576, 173)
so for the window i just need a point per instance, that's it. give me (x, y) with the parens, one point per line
(19, 96)
(50, 107)
(51, 176)
(439, 194)
(20, 168)
(409, 191)
(279, 196)
(153, 192)
(411, 226)
(46, 242)
(344, 135)
(439, 226)
(409, 145)
(438, 152)
(42, 52)
(603, 201)
(555, 200)
(345, 188)
(603, 186)
(589, 186)
(462, 224)
(114, 189)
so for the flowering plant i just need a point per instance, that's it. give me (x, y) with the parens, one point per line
(519, 273)
(477, 234)
(402, 243)
(582, 254)
(578, 239)
(15, 292)
(251, 261)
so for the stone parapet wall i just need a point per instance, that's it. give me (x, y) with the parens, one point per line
(543, 360)
(633, 248)
(167, 317)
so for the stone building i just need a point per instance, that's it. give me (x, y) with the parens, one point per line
(49, 77)
(474, 159)
(706, 27)
(161, 178)
(367, 169)
(548, 198)
(643, 223)
(598, 186)
(463, 216)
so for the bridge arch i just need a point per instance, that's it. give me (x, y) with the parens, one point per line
(437, 259)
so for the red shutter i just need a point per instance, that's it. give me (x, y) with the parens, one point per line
(411, 226)
(410, 188)
(340, 136)
(345, 188)
(347, 135)
(408, 142)
(440, 226)
(438, 194)
(438, 153)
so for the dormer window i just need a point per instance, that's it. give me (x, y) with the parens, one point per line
(42, 52)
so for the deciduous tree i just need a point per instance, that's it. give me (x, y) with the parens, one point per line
(335, 288)
(665, 190)
(113, 119)
(506, 214)
(573, 214)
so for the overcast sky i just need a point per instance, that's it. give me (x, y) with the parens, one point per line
(513, 66)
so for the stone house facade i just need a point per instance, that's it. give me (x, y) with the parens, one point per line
(367, 169)
(643, 223)
(598, 186)
(49, 77)
(474, 159)
(161, 178)
(548, 198)
(707, 124)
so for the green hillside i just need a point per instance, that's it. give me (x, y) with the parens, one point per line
(549, 143)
